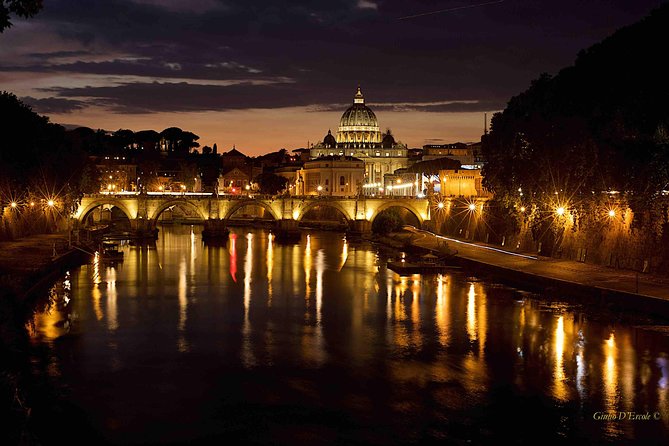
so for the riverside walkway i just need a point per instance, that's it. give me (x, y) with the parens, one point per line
(600, 278)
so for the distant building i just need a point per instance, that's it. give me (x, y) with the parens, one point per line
(462, 183)
(233, 158)
(336, 175)
(237, 180)
(359, 136)
(117, 173)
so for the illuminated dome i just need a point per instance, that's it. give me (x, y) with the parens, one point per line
(358, 126)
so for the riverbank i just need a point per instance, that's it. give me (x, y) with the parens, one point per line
(28, 268)
(616, 289)
(29, 264)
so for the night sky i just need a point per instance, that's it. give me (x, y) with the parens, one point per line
(270, 74)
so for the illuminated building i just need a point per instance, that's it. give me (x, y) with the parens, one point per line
(330, 175)
(462, 183)
(358, 136)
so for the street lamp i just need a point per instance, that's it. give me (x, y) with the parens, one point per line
(440, 205)
(560, 211)
(50, 203)
(612, 213)
(472, 207)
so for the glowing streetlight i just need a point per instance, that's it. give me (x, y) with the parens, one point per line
(612, 213)
(13, 204)
(247, 187)
(32, 204)
(522, 209)
(319, 188)
(560, 211)
(440, 205)
(50, 203)
(472, 207)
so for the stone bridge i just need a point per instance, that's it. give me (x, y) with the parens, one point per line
(143, 210)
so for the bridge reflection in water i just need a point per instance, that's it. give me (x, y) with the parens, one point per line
(319, 339)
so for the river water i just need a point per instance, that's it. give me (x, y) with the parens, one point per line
(318, 342)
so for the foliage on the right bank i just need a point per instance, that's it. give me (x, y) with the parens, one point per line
(594, 136)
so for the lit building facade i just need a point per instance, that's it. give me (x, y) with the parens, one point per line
(462, 183)
(358, 136)
(331, 175)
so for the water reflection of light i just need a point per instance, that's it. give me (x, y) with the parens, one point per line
(112, 311)
(610, 374)
(307, 273)
(96, 268)
(389, 294)
(320, 268)
(233, 256)
(270, 267)
(471, 313)
(344, 254)
(580, 367)
(247, 352)
(662, 389)
(182, 345)
(442, 309)
(559, 387)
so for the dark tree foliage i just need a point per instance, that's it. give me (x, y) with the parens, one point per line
(36, 156)
(271, 184)
(387, 221)
(21, 8)
(599, 125)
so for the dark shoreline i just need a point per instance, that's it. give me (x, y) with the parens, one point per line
(569, 291)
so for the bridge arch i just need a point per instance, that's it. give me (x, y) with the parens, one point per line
(94, 204)
(252, 202)
(162, 207)
(398, 204)
(323, 203)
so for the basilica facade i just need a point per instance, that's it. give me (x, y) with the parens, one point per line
(358, 136)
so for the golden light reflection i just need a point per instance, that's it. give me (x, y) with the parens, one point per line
(270, 267)
(610, 374)
(344, 254)
(233, 257)
(182, 344)
(416, 337)
(442, 310)
(320, 268)
(389, 294)
(559, 386)
(248, 357)
(471, 313)
(112, 310)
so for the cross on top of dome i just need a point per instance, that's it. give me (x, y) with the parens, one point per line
(358, 98)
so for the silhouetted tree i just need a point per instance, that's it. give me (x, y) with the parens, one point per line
(269, 183)
(20, 8)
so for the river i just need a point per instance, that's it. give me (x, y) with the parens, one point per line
(319, 342)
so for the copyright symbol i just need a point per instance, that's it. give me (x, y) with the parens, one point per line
(656, 415)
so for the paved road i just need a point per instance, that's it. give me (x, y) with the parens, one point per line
(568, 270)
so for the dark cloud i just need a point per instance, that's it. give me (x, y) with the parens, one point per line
(475, 58)
(53, 105)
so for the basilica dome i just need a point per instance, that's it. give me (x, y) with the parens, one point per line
(358, 126)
